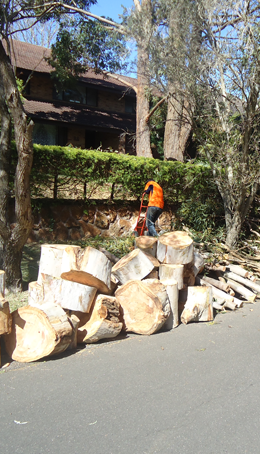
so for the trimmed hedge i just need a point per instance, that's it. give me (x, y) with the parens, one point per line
(189, 186)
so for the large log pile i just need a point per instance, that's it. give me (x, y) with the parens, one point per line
(85, 295)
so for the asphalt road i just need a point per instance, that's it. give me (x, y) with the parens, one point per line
(194, 390)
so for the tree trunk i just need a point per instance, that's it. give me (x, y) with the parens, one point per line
(15, 239)
(177, 130)
(143, 145)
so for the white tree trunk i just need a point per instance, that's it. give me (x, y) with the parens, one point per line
(173, 293)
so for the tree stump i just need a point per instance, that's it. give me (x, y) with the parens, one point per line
(198, 307)
(142, 310)
(37, 333)
(102, 323)
(175, 248)
(133, 266)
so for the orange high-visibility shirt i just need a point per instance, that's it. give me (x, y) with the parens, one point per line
(156, 195)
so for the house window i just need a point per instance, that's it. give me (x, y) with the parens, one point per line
(46, 134)
(92, 97)
(77, 95)
(130, 105)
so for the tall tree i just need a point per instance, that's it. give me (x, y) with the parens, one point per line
(218, 72)
(12, 18)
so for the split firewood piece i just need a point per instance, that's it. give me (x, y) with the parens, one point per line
(243, 291)
(198, 264)
(172, 272)
(56, 259)
(135, 265)
(198, 307)
(67, 294)
(92, 268)
(2, 284)
(102, 323)
(37, 333)
(5, 317)
(142, 310)
(176, 248)
(173, 294)
(147, 244)
(247, 282)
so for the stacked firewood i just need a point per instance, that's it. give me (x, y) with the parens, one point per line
(85, 295)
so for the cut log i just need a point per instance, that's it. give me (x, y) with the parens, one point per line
(147, 244)
(243, 291)
(142, 310)
(175, 248)
(216, 292)
(198, 307)
(74, 321)
(172, 272)
(247, 282)
(153, 275)
(217, 306)
(35, 294)
(229, 305)
(153, 259)
(56, 259)
(159, 289)
(67, 294)
(238, 270)
(172, 291)
(221, 285)
(133, 266)
(5, 317)
(37, 333)
(92, 268)
(102, 323)
(215, 267)
(2, 284)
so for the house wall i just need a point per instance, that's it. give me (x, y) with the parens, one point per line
(111, 102)
(76, 136)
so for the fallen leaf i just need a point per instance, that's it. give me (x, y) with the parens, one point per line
(92, 423)
(20, 423)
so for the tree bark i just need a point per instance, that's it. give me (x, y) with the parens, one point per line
(143, 145)
(14, 240)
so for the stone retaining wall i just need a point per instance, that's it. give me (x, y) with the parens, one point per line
(74, 220)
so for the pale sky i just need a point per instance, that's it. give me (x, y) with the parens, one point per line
(111, 8)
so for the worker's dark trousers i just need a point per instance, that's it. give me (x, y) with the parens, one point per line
(152, 215)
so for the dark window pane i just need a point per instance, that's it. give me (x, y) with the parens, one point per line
(92, 98)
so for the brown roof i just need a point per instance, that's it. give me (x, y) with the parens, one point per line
(31, 57)
(55, 111)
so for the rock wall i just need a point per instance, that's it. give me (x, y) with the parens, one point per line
(75, 220)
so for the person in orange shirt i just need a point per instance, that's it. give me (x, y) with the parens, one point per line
(155, 205)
